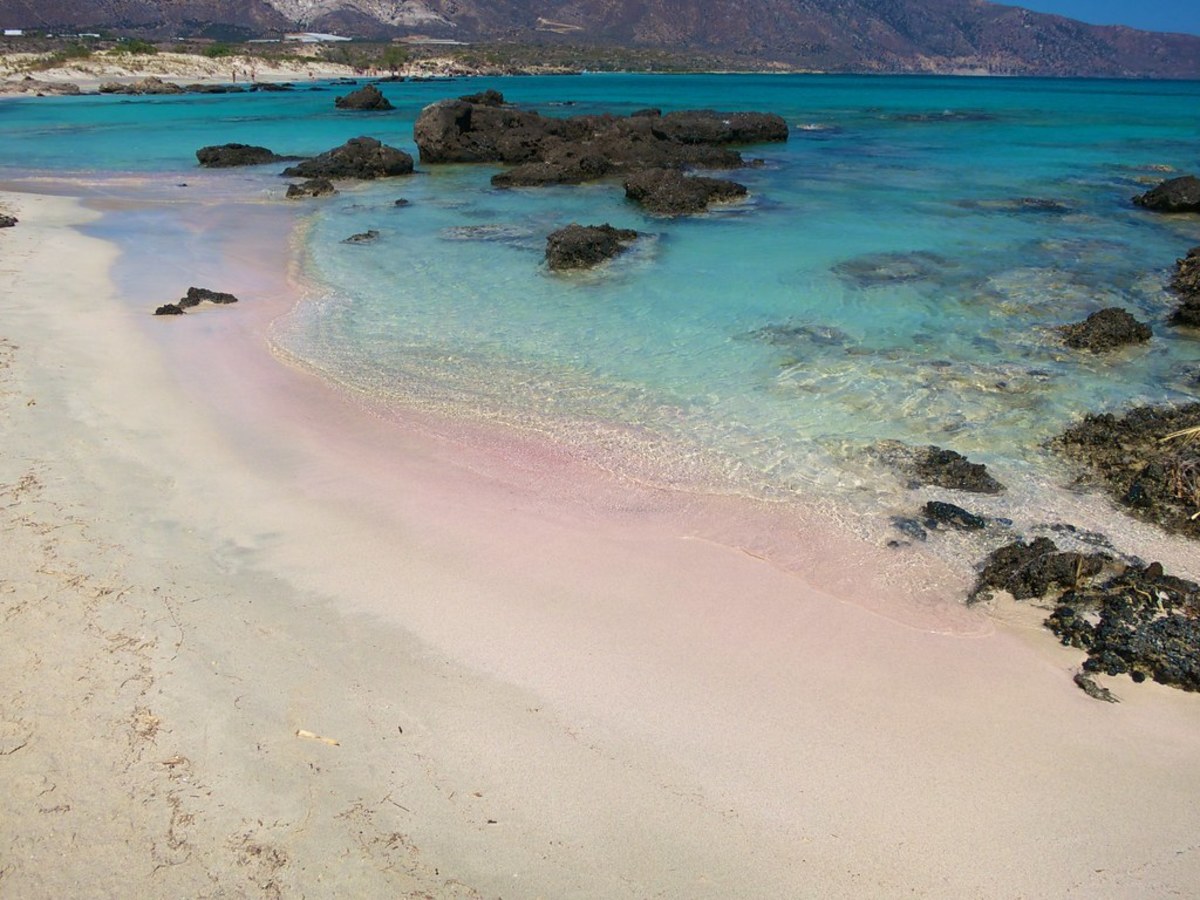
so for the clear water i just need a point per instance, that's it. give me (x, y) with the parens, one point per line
(761, 348)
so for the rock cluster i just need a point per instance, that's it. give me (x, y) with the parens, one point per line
(360, 157)
(1176, 195)
(313, 187)
(194, 297)
(1186, 284)
(221, 156)
(1153, 478)
(584, 246)
(365, 99)
(1107, 329)
(668, 192)
(544, 150)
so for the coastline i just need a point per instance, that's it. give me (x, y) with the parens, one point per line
(217, 562)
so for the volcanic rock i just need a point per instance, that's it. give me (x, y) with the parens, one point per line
(668, 192)
(366, 99)
(1176, 195)
(1186, 284)
(1151, 476)
(360, 157)
(194, 297)
(314, 187)
(1107, 329)
(222, 156)
(584, 246)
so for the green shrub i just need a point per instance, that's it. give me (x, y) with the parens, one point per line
(135, 46)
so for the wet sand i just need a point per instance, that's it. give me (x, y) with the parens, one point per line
(260, 641)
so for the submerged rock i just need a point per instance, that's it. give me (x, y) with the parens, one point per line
(222, 156)
(584, 246)
(194, 297)
(366, 99)
(668, 192)
(1176, 195)
(313, 187)
(939, 512)
(363, 237)
(1107, 329)
(892, 268)
(1186, 283)
(1151, 476)
(948, 469)
(361, 157)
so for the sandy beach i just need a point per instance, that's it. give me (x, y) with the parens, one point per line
(260, 642)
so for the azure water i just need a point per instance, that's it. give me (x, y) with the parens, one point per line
(898, 272)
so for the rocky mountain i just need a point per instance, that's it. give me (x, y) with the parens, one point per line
(832, 35)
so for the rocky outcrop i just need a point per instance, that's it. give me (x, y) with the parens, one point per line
(314, 187)
(936, 466)
(668, 192)
(149, 85)
(194, 297)
(939, 512)
(1186, 284)
(546, 150)
(365, 99)
(584, 246)
(7, 221)
(1130, 618)
(360, 157)
(1176, 195)
(1107, 329)
(222, 156)
(1152, 476)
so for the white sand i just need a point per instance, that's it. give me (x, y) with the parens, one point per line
(541, 684)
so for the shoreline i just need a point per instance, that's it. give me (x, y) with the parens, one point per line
(528, 698)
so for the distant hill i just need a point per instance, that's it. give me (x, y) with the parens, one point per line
(830, 35)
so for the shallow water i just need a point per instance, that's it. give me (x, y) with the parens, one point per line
(898, 271)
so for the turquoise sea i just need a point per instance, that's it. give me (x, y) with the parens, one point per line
(897, 273)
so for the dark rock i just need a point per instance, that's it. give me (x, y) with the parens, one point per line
(7, 221)
(214, 89)
(401, 201)
(548, 150)
(360, 157)
(892, 268)
(194, 297)
(943, 513)
(651, 113)
(1176, 195)
(363, 237)
(1186, 283)
(1107, 329)
(1153, 478)
(1035, 570)
(584, 246)
(947, 469)
(1087, 684)
(273, 86)
(366, 99)
(668, 192)
(1141, 622)
(910, 527)
(489, 97)
(221, 156)
(314, 187)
